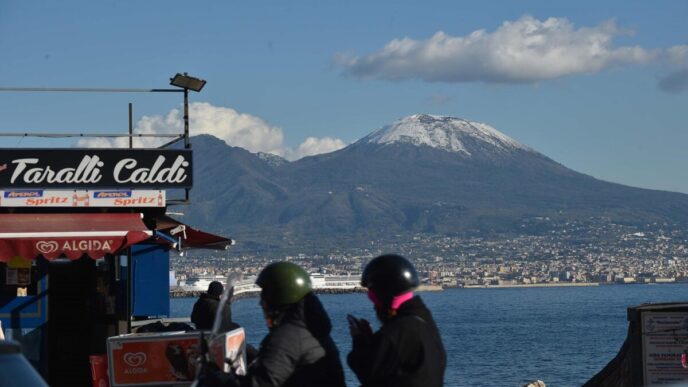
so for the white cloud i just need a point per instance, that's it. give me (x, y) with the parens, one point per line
(315, 146)
(521, 51)
(236, 129)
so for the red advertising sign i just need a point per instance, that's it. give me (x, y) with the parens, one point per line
(72, 235)
(153, 359)
(71, 247)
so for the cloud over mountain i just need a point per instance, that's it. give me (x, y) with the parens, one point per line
(523, 51)
(235, 128)
(314, 146)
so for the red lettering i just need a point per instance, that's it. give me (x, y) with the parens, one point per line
(129, 202)
(50, 200)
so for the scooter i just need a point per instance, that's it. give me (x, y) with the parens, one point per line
(208, 374)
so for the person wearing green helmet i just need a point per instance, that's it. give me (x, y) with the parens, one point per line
(282, 284)
(298, 349)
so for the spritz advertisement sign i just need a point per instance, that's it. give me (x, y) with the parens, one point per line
(95, 168)
(39, 198)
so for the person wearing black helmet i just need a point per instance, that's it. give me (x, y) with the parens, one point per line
(298, 350)
(407, 350)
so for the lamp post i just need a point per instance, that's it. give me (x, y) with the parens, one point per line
(187, 82)
(183, 81)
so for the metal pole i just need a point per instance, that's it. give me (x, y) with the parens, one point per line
(181, 137)
(130, 282)
(187, 145)
(87, 90)
(186, 119)
(61, 135)
(131, 128)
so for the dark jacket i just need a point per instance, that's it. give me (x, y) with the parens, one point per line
(298, 351)
(406, 352)
(203, 314)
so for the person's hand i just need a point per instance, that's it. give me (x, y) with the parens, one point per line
(353, 325)
(359, 327)
(365, 328)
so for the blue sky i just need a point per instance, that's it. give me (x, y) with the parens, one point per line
(586, 92)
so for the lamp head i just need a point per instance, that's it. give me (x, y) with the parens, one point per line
(186, 81)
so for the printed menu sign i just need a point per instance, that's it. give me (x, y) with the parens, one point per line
(665, 340)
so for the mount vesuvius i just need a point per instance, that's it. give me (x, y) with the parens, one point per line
(421, 173)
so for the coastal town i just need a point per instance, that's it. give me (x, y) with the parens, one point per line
(569, 254)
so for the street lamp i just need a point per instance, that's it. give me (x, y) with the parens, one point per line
(184, 82)
(187, 82)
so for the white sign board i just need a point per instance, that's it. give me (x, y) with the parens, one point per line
(40, 198)
(665, 338)
(228, 350)
(135, 198)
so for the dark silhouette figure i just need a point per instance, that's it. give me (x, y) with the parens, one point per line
(407, 351)
(204, 310)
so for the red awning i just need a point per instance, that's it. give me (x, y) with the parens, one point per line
(52, 235)
(191, 238)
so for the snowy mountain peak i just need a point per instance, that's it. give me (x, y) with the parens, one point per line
(272, 160)
(446, 133)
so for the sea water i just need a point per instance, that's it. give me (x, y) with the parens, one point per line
(500, 336)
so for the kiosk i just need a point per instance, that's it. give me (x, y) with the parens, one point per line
(84, 246)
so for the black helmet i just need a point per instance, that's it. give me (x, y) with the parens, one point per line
(390, 275)
(215, 288)
(283, 283)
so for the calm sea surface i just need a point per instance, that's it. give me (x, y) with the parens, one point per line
(501, 337)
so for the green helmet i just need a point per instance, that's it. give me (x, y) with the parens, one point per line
(283, 283)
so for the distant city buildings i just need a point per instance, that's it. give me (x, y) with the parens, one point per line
(596, 251)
